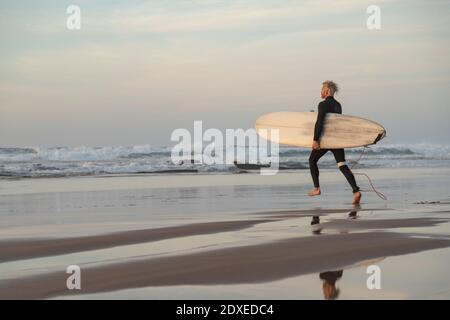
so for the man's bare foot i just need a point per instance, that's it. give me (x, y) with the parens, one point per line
(314, 192)
(356, 197)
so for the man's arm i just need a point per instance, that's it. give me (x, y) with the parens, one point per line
(319, 122)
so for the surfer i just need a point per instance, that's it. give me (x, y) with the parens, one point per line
(329, 105)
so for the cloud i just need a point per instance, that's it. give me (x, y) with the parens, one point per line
(189, 58)
(188, 16)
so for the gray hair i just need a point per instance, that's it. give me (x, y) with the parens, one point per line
(332, 86)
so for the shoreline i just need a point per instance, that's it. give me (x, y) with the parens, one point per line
(151, 181)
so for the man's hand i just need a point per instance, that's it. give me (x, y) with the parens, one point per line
(315, 145)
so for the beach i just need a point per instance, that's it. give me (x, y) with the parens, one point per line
(222, 236)
(214, 150)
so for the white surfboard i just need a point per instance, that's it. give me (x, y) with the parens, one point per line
(340, 131)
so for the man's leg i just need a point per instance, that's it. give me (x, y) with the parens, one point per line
(339, 155)
(313, 159)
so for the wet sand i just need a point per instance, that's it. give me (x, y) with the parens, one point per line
(260, 263)
(32, 248)
(206, 242)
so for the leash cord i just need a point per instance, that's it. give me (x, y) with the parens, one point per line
(378, 193)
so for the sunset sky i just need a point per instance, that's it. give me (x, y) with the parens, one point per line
(137, 70)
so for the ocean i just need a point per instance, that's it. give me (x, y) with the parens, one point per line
(36, 162)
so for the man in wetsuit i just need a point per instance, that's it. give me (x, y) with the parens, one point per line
(329, 105)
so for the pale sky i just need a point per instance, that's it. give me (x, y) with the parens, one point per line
(137, 70)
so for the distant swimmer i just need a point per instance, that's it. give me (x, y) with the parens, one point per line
(329, 105)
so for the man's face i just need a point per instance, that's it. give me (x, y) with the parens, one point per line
(325, 91)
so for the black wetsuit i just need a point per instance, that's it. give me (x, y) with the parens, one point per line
(329, 105)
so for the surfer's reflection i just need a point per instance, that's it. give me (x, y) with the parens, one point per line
(329, 278)
(354, 213)
(316, 219)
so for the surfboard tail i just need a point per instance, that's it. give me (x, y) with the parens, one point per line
(379, 137)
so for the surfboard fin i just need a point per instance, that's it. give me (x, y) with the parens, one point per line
(379, 137)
